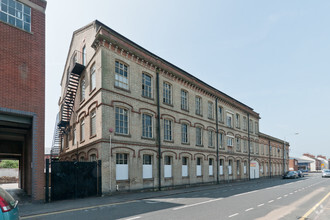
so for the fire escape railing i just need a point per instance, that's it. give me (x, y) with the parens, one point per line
(76, 67)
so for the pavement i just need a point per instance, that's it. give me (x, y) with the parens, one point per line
(27, 208)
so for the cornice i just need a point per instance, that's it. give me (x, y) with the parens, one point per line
(108, 40)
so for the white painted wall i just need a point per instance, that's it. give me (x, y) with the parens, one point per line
(10, 172)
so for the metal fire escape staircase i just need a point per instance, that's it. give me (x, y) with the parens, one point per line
(77, 66)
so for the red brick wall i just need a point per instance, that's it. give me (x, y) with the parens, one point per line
(293, 164)
(22, 80)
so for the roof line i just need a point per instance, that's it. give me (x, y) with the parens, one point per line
(168, 63)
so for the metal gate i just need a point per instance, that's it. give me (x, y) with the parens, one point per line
(71, 180)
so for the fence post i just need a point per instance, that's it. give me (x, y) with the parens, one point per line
(47, 181)
(76, 164)
(99, 178)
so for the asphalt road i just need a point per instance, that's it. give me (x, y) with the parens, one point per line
(279, 199)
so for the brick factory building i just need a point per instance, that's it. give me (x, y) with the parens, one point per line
(22, 90)
(152, 124)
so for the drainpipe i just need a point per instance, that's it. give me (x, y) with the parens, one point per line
(284, 156)
(158, 131)
(270, 163)
(249, 144)
(217, 139)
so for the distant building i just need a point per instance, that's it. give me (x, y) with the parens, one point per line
(167, 127)
(315, 164)
(304, 164)
(22, 90)
(293, 164)
(277, 159)
(324, 162)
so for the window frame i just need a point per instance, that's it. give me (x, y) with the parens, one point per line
(20, 18)
(230, 167)
(122, 158)
(82, 129)
(221, 166)
(121, 78)
(184, 100)
(91, 158)
(238, 167)
(123, 128)
(92, 71)
(251, 147)
(251, 126)
(167, 93)
(220, 114)
(245, 145)
(210, 110)
(147, 168)
(211, 163)
(147, 132)
(122, 165)
(147, 90)
(238, 143)
(221, 144)
(199, 136)
(168, 129)
(84, 55)
(229, 120)
(184, 134)
(230, 141)
(210, 138)
(147, 161)
(198, 106)
(244, 123)
(168, 161)
(238, 121)
(74, 136)
(82, 89)
(93, 122)
(185, 167)
(199, 167)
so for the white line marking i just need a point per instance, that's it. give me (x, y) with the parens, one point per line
(291, 193)
(248, 209)
(270, 201)
(200, 203)
(232, 215)
(241, 194)
(279, 198)
(137, 217)
(261, 205)
(285, 195)
(295, 191)
(152, 202)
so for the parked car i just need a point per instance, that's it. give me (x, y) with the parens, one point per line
(300, 173)
(8, 206)
(325, 173)
(290, 175)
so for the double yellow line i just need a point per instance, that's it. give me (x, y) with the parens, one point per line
(315, 207)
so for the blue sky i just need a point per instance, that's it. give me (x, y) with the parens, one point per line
(271, 55)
